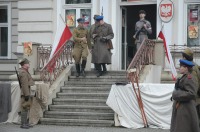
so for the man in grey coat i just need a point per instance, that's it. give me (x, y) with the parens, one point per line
(91, 38)
(142, 29)
(102, 34)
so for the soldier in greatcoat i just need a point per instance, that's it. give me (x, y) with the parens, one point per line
(91, 38)
(101, 53)
(142, 29)
(26, 81)
(184, 114)
(188, 55)
(82, 43)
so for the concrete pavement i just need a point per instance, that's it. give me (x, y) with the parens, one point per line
(53, 128)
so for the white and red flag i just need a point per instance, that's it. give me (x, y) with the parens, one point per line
(63, 34)
(168, 54)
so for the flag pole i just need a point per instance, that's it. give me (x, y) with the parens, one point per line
(62, 19)
(102, 11)
(160, 30)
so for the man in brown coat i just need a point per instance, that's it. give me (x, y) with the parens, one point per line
(184, 114)
(101, 53)
(26, 82)
(82, 43)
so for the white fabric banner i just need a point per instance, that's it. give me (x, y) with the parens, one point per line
(156, 101)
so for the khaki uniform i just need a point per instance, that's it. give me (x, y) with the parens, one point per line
(184, 114)
(80, 47)
(26, 81)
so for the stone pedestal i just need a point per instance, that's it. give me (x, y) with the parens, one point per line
(159, 53)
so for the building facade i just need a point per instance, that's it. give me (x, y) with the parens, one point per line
(37, 21)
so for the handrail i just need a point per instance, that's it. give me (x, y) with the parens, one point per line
(61, 59)
(143, 56)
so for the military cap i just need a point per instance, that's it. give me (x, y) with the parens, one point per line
(142, 12)
(188, 54)
(186, 63)
(24, 61)
(95, 16)
(98, 18)
(81, 20)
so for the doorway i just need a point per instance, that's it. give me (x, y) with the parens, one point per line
(130, 16)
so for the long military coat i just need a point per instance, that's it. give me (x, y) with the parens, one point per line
(100, 53)
(196, 74)
(184, 114)
(26, 81)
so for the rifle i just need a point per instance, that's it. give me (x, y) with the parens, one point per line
(18, 77)
(138, 31)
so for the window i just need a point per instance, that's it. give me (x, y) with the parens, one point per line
(77, 10)
(3, 31)
(71, 15)
(77, 1)
(193, 24)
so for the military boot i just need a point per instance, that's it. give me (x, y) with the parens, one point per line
(83, 67)
(104, 68)
(77, 70)
(24, 121)
(99, 71)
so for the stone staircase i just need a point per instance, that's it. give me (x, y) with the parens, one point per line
(7, 68)
(82, 101)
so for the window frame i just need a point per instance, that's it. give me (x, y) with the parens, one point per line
(79, 3)
(8, 24)
(78, 8)
(186, 4)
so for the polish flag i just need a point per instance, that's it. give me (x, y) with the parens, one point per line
(168, 54)
(63, 34)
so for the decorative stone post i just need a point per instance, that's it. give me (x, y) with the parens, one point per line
(159, 53)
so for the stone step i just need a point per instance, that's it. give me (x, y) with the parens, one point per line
(79, 115)
(8, 61)
(84, 84)
(7, 72)
(83, 95)
(80, 108)
(97, 102)
(98, 79)
(4, 78)
(88, 89)
(109, 73)
(77, 122)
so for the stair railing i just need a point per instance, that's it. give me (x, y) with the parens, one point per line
(60, 60)
(144, 56)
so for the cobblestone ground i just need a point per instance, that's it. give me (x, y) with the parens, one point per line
(52, 128)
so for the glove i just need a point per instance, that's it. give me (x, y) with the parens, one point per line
(26, 98)
(94, 36)
(103, 39)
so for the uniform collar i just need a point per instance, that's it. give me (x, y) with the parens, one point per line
(80, 27)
